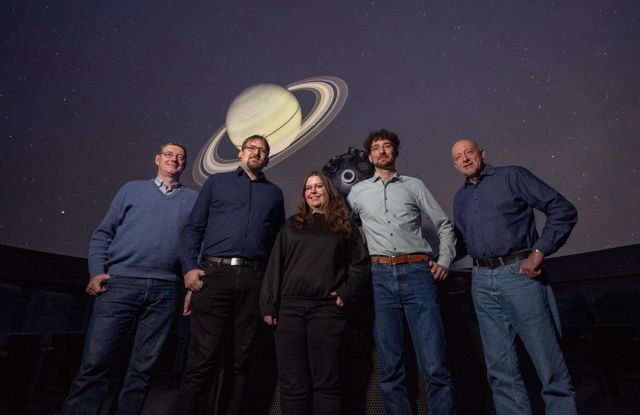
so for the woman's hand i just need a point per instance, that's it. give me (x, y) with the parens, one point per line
(270, 320)
(339, 301)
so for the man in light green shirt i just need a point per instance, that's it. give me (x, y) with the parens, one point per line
(405, 274)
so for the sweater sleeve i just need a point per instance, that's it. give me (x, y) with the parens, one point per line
(272, 282)
(105, 233)
(193, 232)
(359, 272)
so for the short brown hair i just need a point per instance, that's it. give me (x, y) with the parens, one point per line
(382, 135)
(173, 143)
(255, 137)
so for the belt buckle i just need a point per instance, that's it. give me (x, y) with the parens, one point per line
(236, 261)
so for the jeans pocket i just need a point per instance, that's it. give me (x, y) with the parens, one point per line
(208, 268)
(515, 268)
(115, 282)
(422, 266)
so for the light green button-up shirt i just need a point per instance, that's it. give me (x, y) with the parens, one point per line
(392, 214)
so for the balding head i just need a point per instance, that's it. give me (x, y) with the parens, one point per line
(468, 158)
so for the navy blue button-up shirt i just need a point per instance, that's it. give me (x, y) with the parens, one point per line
(495, 216)
(233, 216)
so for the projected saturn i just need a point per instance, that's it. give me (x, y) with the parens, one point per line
(274, 112)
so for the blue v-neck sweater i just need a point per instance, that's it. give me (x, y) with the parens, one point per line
(139, 235)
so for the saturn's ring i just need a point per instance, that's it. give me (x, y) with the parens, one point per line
(331, 94)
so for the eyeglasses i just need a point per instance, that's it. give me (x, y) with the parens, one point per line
(169, 155)
(253, 148)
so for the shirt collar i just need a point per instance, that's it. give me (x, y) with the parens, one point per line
(488, 170)
(161, 186)
(240, 172)
(393, 178)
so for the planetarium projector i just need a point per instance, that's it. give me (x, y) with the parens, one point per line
(348, 169)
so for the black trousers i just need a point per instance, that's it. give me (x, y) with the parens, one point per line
(308, 339)
(228, 299)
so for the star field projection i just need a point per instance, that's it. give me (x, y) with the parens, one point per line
(90, 89)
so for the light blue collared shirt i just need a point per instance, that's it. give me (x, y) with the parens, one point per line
(164, 188)
(392, 214)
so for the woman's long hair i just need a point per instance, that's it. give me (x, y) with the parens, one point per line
(335, 209)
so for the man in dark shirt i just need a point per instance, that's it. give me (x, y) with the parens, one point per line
(232, 227)
(493, 212)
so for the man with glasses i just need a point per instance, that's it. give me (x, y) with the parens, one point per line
(494, 214)
(135, 276)
(232, 228)
(405, 275)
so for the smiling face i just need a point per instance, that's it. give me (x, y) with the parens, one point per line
(254, 156)
(382, 154)
(315, 193)
(171, 161)
(468, 158)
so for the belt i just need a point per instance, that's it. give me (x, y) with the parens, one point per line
(501, 260)
(400, 259)
(235, 262)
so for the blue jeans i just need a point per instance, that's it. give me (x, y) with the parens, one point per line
(409, 290)
(150, 302)
(509, 303)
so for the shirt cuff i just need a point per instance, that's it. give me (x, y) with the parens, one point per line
(268, 310)
(544, 246)
(188, 266)
(445, 261)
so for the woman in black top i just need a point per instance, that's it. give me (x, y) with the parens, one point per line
(317, 264)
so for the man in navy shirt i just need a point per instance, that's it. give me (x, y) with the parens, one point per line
(232, 228)
(493, 212)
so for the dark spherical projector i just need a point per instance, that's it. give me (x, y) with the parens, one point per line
(348, 169)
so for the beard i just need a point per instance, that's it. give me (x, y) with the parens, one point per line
(255, 164)
(384, 163)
